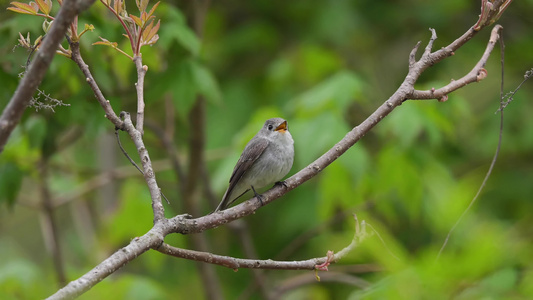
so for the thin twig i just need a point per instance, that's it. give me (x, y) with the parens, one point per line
(477, 74)
(149, 174)
(133, 162)
(126, 153)
(503, 103)
(509, 96)
(105, 104)
(238, 263)
(139, 85)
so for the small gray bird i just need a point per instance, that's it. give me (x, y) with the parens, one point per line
(266, 159)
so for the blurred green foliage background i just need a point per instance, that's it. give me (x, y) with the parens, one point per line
(324, 66)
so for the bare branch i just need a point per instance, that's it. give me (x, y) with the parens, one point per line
(117, 260)
(13, 112)
(139, 85)
(429, 46)
(412, 55)
(475, 75)
(237, 263)
(149, 174)
(240, 263)
(404, 92)
(109, 113)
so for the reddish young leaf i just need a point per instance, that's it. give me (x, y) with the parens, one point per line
(152, 32)
(119, 6)
(142, 4)
(153, 9)
(35, 6)
(137, 21)
(146, 30)
(44, 6)
(105, 43)
(23, 8)
(144, 16)
(24, 42)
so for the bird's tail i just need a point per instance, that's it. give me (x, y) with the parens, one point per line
(225, 202)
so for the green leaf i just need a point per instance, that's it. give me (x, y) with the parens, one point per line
(175, 29)
(398, 180)
(134, 216)
(313, 63)
(36, 129)
(10, 182)
(335, 187)
(315, 135)
(184, 89)
(334, 93)
(206, 83)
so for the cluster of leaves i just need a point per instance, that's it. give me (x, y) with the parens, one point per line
(140, 30)
(45, 8)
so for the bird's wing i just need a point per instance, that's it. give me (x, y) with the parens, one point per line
(251, 153)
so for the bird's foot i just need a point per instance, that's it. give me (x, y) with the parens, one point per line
(283, 183)
(258, 196)
(184, 216)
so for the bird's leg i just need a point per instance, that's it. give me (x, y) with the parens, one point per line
(258, 196)
(283, 183)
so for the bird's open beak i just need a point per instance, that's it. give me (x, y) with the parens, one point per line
(282, 127)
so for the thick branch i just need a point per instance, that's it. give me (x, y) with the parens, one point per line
(404, 92)
(35, 73)
(137, 246)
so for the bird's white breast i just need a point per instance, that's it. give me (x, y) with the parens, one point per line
(276, 160)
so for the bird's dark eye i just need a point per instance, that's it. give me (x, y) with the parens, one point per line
(270, 127)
